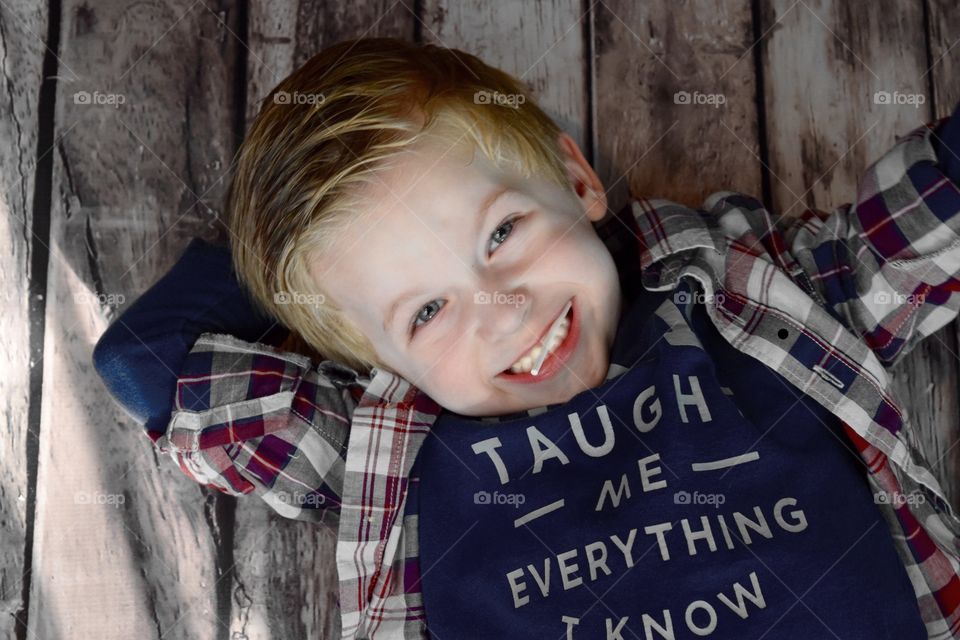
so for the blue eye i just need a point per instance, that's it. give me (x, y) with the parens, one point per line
(496, 236)
(506, 224)
(414, 326)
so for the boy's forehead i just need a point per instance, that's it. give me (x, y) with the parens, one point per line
(435, 189)
(433, 167)
(415, 226)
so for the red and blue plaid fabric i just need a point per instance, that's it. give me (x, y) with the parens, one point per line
(828, 300)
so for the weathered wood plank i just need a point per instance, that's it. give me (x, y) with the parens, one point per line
(545, 48)
(824, 63)
(943, 68)
(666, 146)
(941, 73)
(126, 545)
(285, 580)
(22, 29)
(286, 33)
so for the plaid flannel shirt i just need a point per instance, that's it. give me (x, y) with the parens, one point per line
(829, 301)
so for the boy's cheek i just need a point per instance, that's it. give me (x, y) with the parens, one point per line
(455, 389)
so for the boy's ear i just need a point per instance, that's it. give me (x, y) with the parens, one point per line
(583, 178)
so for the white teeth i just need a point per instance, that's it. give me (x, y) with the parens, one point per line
(525, 363)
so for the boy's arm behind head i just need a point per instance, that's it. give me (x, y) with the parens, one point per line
(140, 354)
(194, 361)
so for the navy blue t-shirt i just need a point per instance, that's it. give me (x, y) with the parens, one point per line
(695, 493)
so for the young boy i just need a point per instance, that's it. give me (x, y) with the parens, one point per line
(709, 447)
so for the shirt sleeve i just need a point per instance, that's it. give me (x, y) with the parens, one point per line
(887, 265)
(140, 354)
(193, 361)
(249, 418)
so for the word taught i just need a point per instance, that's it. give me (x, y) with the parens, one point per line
(647, 412)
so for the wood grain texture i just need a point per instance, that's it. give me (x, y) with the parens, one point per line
(825, 64)
(649, 143)
(943, 69)
(542, 44)
(285, 578)
(286, 33)
(125, 545)
(22, 28)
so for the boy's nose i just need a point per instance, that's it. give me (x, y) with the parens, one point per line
(503, 315)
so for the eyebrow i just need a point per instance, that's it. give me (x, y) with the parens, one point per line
(480, 216)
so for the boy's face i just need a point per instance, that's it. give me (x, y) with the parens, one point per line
(489, 260)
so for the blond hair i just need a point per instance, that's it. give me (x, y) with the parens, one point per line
(321, 137)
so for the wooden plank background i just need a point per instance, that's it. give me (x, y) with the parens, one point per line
(101, 538)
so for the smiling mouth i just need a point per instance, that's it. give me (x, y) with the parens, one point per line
(559, 349)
